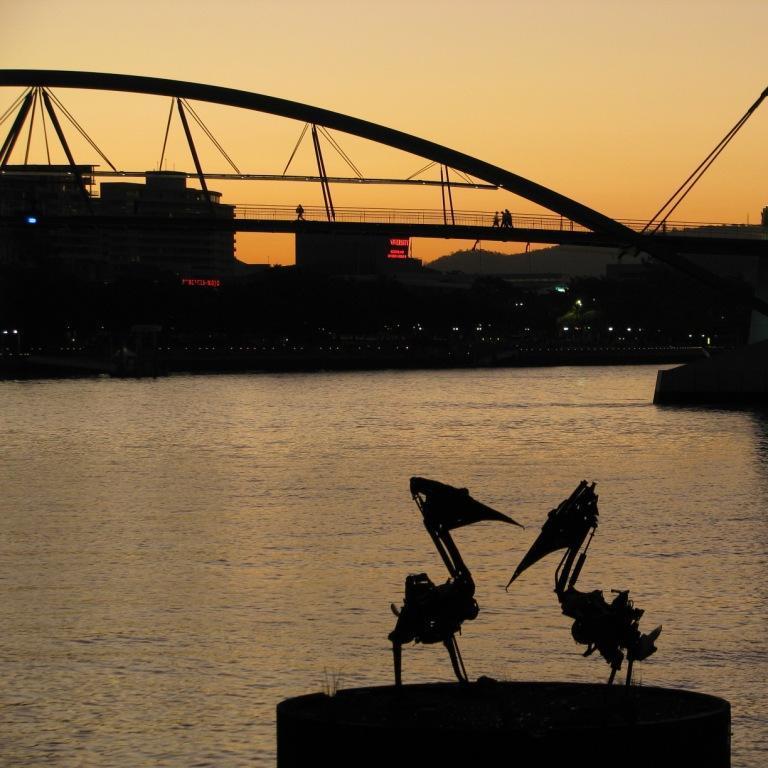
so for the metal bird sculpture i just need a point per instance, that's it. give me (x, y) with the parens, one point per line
(610, 628)
(434, 613)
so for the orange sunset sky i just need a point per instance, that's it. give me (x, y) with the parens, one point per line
(610, 102)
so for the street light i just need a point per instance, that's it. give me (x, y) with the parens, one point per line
(13, 332)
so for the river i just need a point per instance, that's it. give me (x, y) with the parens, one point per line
(179, 555)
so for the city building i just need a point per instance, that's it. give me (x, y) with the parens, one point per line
(190, 252)
(29, 194)
(354, 254)
(31, 197)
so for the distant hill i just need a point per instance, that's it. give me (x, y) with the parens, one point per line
(572, 260)
(587, 261)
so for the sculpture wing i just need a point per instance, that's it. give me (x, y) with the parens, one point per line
(446, 507)
(566, 526)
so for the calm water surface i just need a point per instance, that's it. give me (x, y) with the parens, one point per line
(177, 556)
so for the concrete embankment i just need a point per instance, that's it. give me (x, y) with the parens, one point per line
(736, 377)
(40, 366)
(220, 361)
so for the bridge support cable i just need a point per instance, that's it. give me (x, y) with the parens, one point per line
(442, 196)
(165, 138)
(421, 170)
(341, 152)
(15, 130)
(468, 182)
(445, 185)
(296, 148)
(187, 107)
(195, 158)
(682, 191)
(65, 146)
(329, 210)
(450, 195)
(14, 105)
(79, 128)
(210, 135)
(31, 126)
(45, 131)
(466, 178)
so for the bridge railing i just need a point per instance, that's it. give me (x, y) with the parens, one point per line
(405, 216)
(701, 228)
(436, 217)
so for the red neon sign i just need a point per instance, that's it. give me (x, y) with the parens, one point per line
(398, 247)
(202, 282)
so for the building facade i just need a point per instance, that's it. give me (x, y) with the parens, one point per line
(353, 254)
(31, 193)
(32, 197)
(193, 252)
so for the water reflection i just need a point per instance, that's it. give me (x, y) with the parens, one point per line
(180, 555)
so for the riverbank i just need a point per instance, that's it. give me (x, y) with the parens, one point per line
(217, 360)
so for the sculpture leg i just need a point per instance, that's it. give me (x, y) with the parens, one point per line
(630, 661)
(397, 655)
(456, 661)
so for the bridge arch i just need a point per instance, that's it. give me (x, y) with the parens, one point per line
(231, 97)
(618, 233)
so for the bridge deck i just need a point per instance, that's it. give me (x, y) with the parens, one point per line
(688, 237)
(438, 217)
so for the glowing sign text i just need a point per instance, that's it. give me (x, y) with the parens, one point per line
(398, 247)
(204, 282)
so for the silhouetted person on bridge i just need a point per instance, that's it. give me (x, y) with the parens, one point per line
(506, 219)
(495, 219)
(299, 212)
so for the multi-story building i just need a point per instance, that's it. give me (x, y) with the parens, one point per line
(190, 251)
(354, 254)
(35, 195)
(29, 194)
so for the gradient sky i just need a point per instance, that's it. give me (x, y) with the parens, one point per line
(610, 102)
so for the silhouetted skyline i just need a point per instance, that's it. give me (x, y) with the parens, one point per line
(606, 105)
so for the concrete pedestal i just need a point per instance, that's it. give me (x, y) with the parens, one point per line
(517, 724)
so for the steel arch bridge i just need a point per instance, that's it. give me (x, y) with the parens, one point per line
(603, 229)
